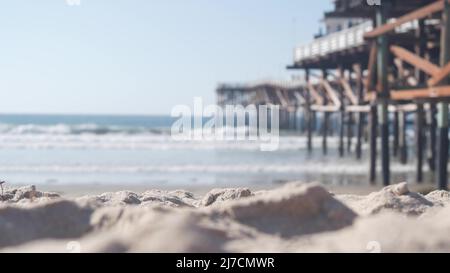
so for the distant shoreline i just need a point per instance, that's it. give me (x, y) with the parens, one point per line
(77, 190)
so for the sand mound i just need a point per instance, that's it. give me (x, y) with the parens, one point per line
(176, 231)
(148, 198)
(218, 196)
(291, 211)
(141, 229)
(294, 218)
(177, 198)
(55, 219)
(25, 194)
(392, 198)
(439, 197)
(389, 232)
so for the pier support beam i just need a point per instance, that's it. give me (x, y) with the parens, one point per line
(420, 139)
(349, 132)
(341, 117)
(326, 123)
(442, 145)
(432, 126)
(309, 115)
(360, 89)
(326, 120)
(296, 119)
(373, 143)
(284, 119)
(303, 119)
(341, 133)
(310, 120)
(396, 135)
(314, 121)
(295, 125)
(291, 120)
(384, 129)
(403, 146)
(382, 76)
(442, 174)
(359, 136)
(420, 49)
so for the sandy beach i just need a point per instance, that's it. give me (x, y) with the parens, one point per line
(296, 217)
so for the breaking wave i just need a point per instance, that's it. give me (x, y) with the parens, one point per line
(93, 136)
(78, 129)
(316, 168)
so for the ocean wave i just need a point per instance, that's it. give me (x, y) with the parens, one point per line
(142, 142)
(77, 129)
(102, 130)
(316, 168)
(94, 136)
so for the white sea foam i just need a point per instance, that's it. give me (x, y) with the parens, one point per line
(92, 136)
(78, 129)
(316, 168)
(148, 142)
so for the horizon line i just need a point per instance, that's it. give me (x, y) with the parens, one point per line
(80, 114)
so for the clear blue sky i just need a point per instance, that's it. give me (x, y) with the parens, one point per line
(142, 56)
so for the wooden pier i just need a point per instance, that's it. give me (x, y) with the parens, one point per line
(370, 77)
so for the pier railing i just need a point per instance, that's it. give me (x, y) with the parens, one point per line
(345, 39)
(281, 84)
(342, 40)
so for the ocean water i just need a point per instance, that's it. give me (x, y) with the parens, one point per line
(77, 149)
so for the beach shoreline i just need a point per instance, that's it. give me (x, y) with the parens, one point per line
(79, 190)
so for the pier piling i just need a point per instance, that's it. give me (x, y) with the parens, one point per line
(442, 177)
(373, 143)
(383, 89)
(360, 91)
(420, 139)
(432, 127)
(395, 133)
(403, 145)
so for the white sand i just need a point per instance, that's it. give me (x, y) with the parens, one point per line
(293, 218)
